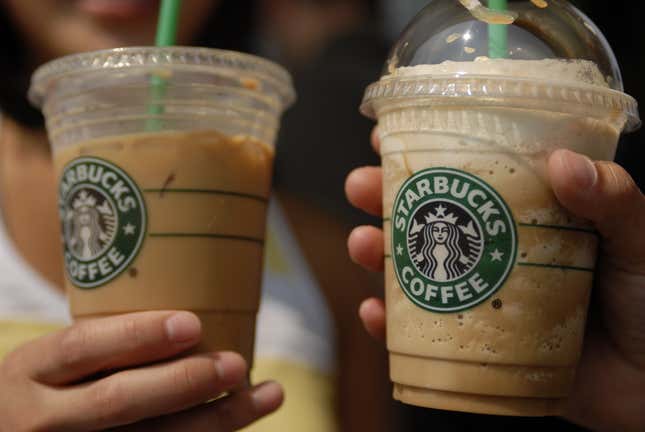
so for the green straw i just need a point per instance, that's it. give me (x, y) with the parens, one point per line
(498, 33)
(166, 36)
(167, 24)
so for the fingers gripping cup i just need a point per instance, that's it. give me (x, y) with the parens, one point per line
(488, 278)
(164, 161)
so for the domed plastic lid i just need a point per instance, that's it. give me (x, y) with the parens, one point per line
(484, 50)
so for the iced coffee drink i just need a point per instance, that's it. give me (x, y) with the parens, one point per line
(174, 220)
(164, 159)
(488, 278)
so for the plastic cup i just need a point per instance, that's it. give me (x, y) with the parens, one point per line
(165, 208)
(488, 278)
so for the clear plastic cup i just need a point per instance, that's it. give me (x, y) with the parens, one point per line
(488, 278)
(164, 160)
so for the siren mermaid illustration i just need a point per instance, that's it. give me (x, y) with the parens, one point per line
(89, 228)
(441, 252)
(445, 249)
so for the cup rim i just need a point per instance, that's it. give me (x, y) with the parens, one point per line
(246, 66)
(474, 89)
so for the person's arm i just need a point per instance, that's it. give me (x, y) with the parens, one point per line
(124, 370)
(609, 393)
(364, 390)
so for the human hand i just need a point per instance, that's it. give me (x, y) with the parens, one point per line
(124, 370)
(609, 393)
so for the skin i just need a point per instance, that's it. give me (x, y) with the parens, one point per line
(50, 29)
(123, 371)
(609, 393)
(48, 384)
(440, 232)
(28, 187)
(362, 364)
(53, 28)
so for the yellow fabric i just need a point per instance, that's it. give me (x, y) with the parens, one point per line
(275, 258)
(14, 334)
(309, 398)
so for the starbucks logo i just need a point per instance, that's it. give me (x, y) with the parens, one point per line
(103, 220)
(445, 240)
(454, 240)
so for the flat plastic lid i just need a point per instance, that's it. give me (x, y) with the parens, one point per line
(496, 51)
(245, 66)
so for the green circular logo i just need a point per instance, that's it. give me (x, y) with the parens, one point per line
(103, 218)
(454, 240)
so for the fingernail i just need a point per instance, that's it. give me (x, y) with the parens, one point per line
(230, 368)
(267, 397)
(183, 327)
(581, 168)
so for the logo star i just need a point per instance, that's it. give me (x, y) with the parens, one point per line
(129, 229)
(441, 210)
(496, 255)
(399, 250)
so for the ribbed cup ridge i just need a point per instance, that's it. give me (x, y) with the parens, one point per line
(239, 64)
(154, 89)
(393, 93)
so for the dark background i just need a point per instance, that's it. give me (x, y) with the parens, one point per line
(622, 25)
(324, 136)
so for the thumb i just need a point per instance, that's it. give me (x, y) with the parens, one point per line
(605, 194)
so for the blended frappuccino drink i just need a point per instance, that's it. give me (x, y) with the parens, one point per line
(164, 159)
(479, 241)
(488, 278)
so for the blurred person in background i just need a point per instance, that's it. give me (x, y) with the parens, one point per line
(106, 372)
(309, 297)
